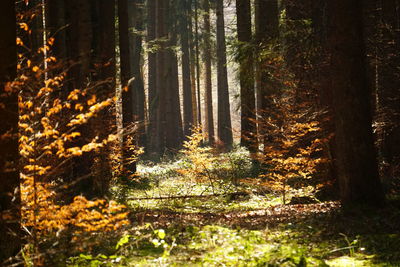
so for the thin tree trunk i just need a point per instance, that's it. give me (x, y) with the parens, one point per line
(186, 79)
(192, 64)
(224, 113)
(209, 120)
(196, 25)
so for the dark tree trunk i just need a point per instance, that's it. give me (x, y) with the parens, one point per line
(356, 158)
(79, 48)
(388, 87)
(9, 156)
(152, 74)
(56, 25)
(192, 53)
(103, 20)
(174, 131)
(209, 120)
(248, 135)
(224, 113)
(186, 79)
(136, 25)
(196, 40)
(129, 166)
(267, 29)
(162, 35)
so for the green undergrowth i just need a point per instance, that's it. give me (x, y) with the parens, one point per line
(178, 220)
(288, 244)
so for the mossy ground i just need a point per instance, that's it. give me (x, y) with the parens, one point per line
(253, 229)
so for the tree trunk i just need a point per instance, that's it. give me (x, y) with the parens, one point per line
(161, 34)
(129, 166)
(224, 113)
(136, 25)
(192, 53)
(196, 40)
(248, 134)
(356, 159)
(186, 79)
(388, 85)
(173, 131)
(152, 74)
(10, 241)
(267, 25)
(79, 45)
(209, 120)
(104, 123)
(56, 23)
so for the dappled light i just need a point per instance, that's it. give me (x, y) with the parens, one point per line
(199, 133)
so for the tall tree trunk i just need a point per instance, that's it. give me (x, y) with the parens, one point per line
(196, 32)
(174, 131)
(136, 25)
(209, 120)
(357, 165)
(161, 34)
(127, 93)
(248, 134)
(224, 113)
(103, 17)
(192, 53)
(186, 79)
(152, 74)
(266, 24)
(9, 156)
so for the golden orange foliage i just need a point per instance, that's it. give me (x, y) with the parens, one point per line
(49, 127)
(201, 158)
(295, 147)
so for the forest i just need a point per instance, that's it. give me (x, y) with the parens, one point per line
(199, 133)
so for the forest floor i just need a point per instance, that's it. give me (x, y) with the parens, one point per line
(210, 218)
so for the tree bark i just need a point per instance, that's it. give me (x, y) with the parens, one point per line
(192, 53)
(248, 134)
(209, 120)
(186, 79)
(162, 36)
(356, 158)
(267, 29)
(196, 40)
(224, 113)
(136, 27)
(104, 73)
(152, 74)
(174, 130)
(128, 102)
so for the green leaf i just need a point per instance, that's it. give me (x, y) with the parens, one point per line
(123, 241)
(160, 233)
